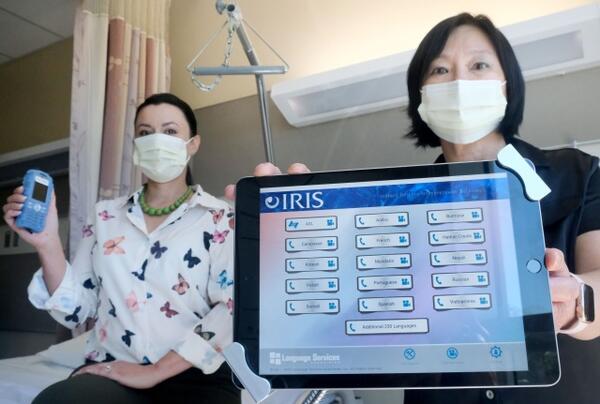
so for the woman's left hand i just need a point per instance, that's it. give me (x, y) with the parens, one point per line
(563, 287)
(128, 374)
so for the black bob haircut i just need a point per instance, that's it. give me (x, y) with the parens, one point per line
(171, 99)
(430, 48)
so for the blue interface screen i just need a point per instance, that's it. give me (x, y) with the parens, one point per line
(406, 276)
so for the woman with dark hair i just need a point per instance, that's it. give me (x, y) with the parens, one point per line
(467, 94)
(154, 270)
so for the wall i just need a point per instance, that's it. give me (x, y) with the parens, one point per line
(316, 35)
(558, 110)
(35, 97)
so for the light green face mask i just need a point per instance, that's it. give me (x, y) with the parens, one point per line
(161, 157)
(463, 111)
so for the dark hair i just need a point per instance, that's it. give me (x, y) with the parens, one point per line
(430, 48)
(171, 99)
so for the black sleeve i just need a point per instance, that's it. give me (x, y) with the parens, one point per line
(590, 217)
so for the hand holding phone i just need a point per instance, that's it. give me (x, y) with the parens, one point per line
(30, 210)
(37, 189)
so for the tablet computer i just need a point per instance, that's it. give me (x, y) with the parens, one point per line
(413, 277)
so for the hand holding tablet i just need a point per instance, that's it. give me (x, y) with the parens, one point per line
(425, 272)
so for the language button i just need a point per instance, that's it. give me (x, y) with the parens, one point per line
(460, 279)
(472, 215)
(381, 220)
(310, 244)
(311, 285)
(456, 237)
(369, 305)
(454, 302)
(319, 306)
(404, 326)
(384, 282)
(383, 261)
(443, 258)
(382, 240)
(311, 223)
(311, 264)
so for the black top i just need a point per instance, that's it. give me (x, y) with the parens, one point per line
(571, 209)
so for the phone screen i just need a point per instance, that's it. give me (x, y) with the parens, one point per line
(39, 192)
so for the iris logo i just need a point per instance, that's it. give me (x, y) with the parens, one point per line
(295, 201)
(272, 202)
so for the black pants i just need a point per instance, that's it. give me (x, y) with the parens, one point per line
(191, 386)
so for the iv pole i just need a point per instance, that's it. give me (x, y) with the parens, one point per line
(235, 23)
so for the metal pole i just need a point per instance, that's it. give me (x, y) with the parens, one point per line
(260, 85)
(237, 70)
(264, 115)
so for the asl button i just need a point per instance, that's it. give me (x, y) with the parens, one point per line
(311, 223)
(455, 302)
(383, 261)
(404, 326)
(369, 305)
(311, 264)
(456, 236)
(382, 240)
(317, 306)
(311, 285)
(443, 258)
(384, 282)
(310, 244)
(460, 279)
(473, 215)
(381, 220)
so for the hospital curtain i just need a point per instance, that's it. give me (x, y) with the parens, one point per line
(120, 57)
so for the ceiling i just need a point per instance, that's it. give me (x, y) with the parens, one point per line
(29, 25)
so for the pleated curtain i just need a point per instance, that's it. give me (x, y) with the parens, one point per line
(120, 57)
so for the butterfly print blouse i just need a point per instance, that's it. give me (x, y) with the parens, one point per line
(150, 292)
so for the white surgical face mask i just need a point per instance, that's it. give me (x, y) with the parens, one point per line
(463, 111)
(161, 157)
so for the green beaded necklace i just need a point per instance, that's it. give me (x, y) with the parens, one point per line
(150, 211)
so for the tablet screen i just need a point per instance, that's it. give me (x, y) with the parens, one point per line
(395, 276)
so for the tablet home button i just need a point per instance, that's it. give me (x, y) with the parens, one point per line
(489, 394)
(534, 266)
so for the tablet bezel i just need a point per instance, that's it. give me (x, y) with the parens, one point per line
(540, 337)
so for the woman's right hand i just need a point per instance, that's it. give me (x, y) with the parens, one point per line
(264, 169)
(48, 237)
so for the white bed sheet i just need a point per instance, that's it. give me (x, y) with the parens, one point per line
(21, 379)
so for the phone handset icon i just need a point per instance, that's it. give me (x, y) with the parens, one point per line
(361, 241)
(291, 265)
(437, 280)
(364, 305)
(436, 259)
(290, 244)
(361, 220)
(362, 262)
(363, 283)
(433, 216)
(351, 326)
(292, 307)
(439, 302)
(291, 285)
(435, 237)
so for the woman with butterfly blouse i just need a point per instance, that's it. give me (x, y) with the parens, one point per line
(154, 270)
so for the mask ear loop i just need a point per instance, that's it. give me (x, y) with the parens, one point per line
(186, 143)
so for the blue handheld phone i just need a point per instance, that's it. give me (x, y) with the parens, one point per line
(37, 187)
